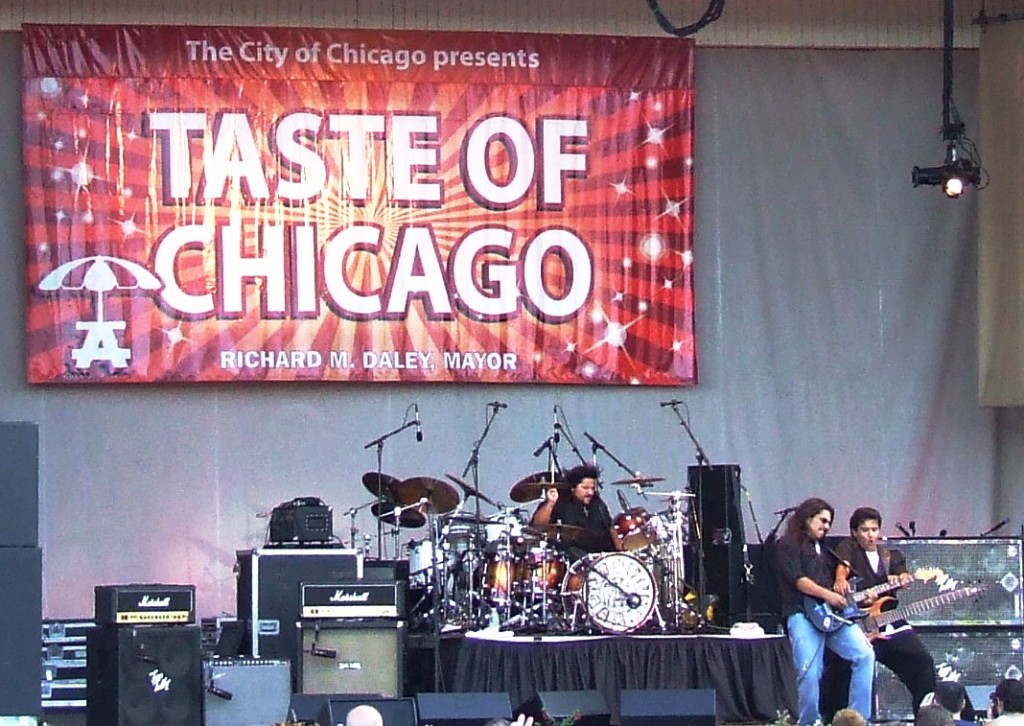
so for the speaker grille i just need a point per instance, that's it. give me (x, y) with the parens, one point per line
(346, 658)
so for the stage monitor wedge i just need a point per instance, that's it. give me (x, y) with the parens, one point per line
(581, 708)
(694, 707)
(462, 709)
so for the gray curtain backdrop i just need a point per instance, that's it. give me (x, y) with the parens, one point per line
(837, 352)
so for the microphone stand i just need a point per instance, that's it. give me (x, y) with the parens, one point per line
(474, 465)
(596, 446)
(353, 531)
(379, 443)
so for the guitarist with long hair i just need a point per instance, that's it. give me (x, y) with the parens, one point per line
(867, 563)
(806, 569)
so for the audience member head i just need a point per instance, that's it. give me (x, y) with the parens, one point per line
(951, 696)
(364, 715)
(848, 717)
(1010, 696)
(933, 715)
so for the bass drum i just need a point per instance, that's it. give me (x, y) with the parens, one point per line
(616, 591)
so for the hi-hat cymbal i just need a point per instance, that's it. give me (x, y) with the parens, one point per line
(674, 495)
(533, 486)
(644, 481)
(407, 518)
(562, 533)
(381, 486)
(441, 496)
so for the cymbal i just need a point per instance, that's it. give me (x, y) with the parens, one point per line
(643, 481)
(439, 494)
(564, 533)
(471, 491)
(380, 485)
(674, 495)
(533, 486)
(411, 518)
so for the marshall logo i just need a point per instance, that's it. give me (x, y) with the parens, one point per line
(341, 596)
(155, 602)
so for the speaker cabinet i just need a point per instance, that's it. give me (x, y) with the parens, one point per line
(991, 561)
(974, 657)
(351, 657)
(718, 503)
(246, 691)
(268, 594)
(144, 675)
(668, 708)
(19, 496)
(581, 708)
(462, 709)
(20, 626)
(393, 711)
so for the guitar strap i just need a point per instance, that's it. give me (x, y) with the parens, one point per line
(886, 559)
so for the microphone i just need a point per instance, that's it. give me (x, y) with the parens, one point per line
(545, 445)
(786, 510)
(623, 502)
(323, 652)
(673, 402)
(498, 404)
(555, 426)
(902, 529)
(219, 692)
(994, 528)
(419, 429)
(913, 527)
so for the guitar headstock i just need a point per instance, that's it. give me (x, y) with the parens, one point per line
(926, 574)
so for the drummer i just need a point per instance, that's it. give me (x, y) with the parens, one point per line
(580, 507)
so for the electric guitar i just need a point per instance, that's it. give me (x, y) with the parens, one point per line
(826, 619)
(875, 619)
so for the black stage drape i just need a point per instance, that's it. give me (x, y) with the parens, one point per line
(753, 677)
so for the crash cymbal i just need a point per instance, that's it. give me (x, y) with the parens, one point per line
(441, 495)
(381, 486)
(643, 481)
(533, 486)
(471, 491)
(407, 518)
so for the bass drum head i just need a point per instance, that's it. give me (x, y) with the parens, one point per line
(619, 592)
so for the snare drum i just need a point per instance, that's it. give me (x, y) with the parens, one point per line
(633, 530)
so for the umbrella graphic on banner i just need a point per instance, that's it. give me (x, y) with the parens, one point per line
(100, 341)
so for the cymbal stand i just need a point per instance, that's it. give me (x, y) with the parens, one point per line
(596, 446)
(675, 562)
(474, 465)
(352, 529)
(379, 443)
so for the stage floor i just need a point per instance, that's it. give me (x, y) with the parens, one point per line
(753, 677)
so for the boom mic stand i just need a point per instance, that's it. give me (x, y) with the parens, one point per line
(379, 443)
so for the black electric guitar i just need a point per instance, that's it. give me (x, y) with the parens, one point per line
(828, 620)
(875, 618)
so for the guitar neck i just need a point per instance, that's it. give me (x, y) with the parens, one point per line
(862, 595)
(901, 613)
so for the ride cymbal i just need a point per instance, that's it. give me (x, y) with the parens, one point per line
(381, 486)
(440, 495)
(643, 481)
(471, 491)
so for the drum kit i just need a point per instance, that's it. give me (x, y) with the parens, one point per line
(473, 571)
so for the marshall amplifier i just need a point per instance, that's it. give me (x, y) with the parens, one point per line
(350, 600)
(145, 604)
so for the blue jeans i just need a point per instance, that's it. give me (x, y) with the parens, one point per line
(808, 644)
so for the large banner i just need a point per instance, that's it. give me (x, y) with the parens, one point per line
(239, 204)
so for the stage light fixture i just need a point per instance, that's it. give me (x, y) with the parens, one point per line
(954, 176)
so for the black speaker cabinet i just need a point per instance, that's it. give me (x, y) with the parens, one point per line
(19, 495)
(581, 708)
(144, 675)
(668, 707)
(246, 691)
(945, 563)
(718, 505)
(268, 594)
(358, 656)
(973, 657)
(462, 709)
(393, 711)
(20, 625)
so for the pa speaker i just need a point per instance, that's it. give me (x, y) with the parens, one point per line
(462, 709)
(246, 691)
(19, 496)
(668, 708)
(970, 656)
(581, 708)
(392, 711)
(144, 675)
(717, 489)
(351, 657)
(20, 624)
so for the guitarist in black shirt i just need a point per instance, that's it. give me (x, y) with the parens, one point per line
(897, 647)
